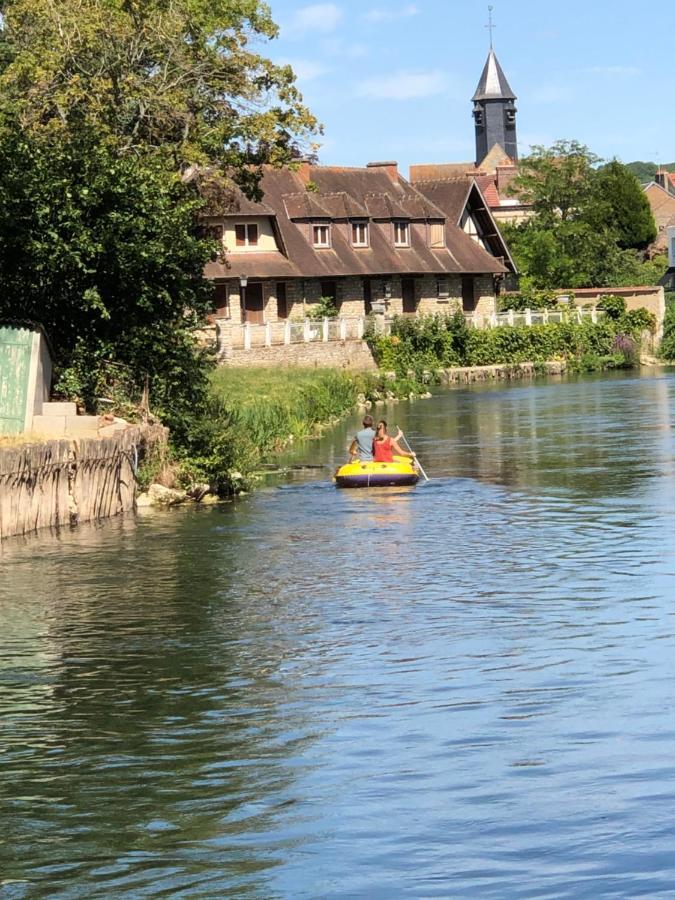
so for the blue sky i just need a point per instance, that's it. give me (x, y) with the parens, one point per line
(392, 79)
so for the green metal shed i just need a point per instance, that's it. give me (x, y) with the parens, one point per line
(25, 375)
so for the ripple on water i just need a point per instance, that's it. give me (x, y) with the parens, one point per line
(459, 690)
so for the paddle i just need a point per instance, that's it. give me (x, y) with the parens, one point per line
(410, 450)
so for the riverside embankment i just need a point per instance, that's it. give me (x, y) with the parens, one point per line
(65, 482)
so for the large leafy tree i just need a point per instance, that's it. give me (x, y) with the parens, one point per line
(620, 204)
(176, 77)
(104, 107)
(588, 221)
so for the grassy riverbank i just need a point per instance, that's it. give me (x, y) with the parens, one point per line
(252, 414)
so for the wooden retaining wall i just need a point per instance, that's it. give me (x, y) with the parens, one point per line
(58, 483)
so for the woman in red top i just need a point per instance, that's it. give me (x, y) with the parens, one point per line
(384, 446)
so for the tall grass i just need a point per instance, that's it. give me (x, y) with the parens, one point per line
(254, 413)
(273, 405)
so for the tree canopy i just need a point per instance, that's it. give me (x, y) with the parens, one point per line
(176, 77)
(589, 220)
(104, 106)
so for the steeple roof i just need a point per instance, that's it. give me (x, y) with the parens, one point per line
(493, 84)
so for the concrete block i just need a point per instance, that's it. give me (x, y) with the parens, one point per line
(82, 425)
(49, 426)
(59, 409)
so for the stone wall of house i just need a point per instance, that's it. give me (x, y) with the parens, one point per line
(484, 292)
(428, 301)
(353, 355)
(301, 296)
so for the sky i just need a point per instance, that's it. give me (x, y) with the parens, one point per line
(393, 79)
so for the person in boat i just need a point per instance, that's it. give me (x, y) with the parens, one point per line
(385, 446)
(362, 446)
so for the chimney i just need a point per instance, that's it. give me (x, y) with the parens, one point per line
(505, 175)
(661, 178)
(391, 168)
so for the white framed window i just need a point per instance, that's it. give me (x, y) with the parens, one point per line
(246, 234)
(360, 234)
(401, 234)
(321, 236)
(437, 234)
(442, 288)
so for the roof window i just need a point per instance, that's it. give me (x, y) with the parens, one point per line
(321, 236)
(401, 234)
(360, 234)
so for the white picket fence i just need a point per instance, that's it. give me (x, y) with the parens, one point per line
(248, 336)
(304, 331)
(535, 317)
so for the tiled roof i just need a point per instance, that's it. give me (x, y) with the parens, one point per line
(455, 197)
(344, 193)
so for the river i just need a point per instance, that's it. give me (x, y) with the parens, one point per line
(463, 689)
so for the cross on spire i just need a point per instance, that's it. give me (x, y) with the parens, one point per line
(491, 25)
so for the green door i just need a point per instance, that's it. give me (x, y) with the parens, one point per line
(15, 354)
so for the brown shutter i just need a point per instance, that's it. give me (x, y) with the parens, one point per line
(240, 233)
(253, 235)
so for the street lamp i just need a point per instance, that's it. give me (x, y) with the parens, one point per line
(243, 281)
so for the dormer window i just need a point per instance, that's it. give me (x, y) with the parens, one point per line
(401, 234)
(437, 234)
(246, 234)
(321, 236)
(359, 234)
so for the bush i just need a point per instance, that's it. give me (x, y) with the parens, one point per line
(668, 342)
(441, 341)
(614, 307)
(528, 299)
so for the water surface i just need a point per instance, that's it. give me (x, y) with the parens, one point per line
(459, 690)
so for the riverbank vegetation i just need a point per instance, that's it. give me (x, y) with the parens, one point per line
(667, 349)
(436, 342)
(252, 414)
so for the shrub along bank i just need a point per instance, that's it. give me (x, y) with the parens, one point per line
(668, 342)
(435, 342)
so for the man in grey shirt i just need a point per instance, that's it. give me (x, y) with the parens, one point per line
(362, 445)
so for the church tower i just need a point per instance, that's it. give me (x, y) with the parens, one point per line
(494, 112)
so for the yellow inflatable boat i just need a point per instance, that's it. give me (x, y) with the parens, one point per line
(377, 474)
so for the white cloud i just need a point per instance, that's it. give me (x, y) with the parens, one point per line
(335, 46)
(319, 18)
(306, 69)
(614, 70)
(380, 14)
(403, 85)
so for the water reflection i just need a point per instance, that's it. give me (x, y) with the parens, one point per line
(461, 689)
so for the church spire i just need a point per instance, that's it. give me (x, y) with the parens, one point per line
(494, 109)
(493, 84)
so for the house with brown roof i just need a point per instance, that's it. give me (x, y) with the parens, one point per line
(466, 206)
(354, 235)
(661, 196)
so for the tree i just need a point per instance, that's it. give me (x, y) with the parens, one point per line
(587, 222)
(170, 77)
(557, 181)
(104, 107)
(620, 204)
(103, 251)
